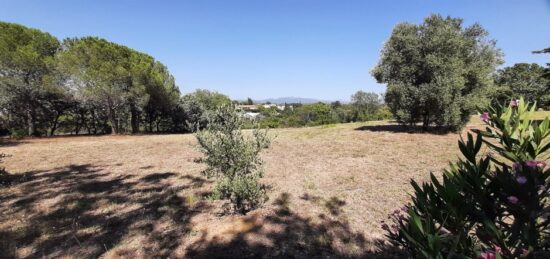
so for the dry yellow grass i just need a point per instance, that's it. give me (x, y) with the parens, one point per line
(143, 196)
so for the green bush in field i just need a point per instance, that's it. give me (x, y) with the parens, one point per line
(18, 134)
(232, 156)
(493, 203)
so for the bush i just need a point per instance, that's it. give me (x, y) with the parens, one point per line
(233, 158)
(488, 204)
(18, 134)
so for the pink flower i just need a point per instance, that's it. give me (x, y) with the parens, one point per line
(485, 117)
(395, 227)
(385, 227)
(521, 179)
(498, 250)
(514, 103)
(535, 164)
(487, 255)
(513, 199)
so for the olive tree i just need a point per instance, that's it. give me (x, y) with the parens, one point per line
(437, 72)
(232, 156)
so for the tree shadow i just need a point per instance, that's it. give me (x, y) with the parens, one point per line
(8, 142)
(156, 177)
(84, 211)
(196, 182)
(286, 234)
(398, 128)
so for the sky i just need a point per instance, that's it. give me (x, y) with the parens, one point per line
(266, 49)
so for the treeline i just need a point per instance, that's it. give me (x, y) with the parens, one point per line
(364, 106)
(89, 85)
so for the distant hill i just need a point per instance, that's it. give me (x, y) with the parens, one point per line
(283, 100)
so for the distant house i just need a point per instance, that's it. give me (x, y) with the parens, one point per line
(251, 111)
(247, 107)
(280, 107)
(252, 115)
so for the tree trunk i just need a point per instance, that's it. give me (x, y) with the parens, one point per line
(112, 119)
(426, 121)
(54, 126)
(30, 122)
(135, 118)
(94, 123)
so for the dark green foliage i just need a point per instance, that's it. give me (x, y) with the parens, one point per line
(197, 106)
(26, 75)
(437, 72)
(232, 156)
(85, 84)
(489, 204)
(364, 107)
(522, 79)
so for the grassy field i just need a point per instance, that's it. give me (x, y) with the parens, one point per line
(143, 196)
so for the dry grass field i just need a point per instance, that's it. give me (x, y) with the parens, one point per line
(144, 197)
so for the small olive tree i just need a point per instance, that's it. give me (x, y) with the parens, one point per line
(232, 156)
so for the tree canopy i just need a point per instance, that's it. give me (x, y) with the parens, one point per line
(26, 71)
(523, 80)
(82, 83)
(438, 71)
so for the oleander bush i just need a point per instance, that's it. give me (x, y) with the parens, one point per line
(492, 203)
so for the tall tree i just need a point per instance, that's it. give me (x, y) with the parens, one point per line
(25, 67)
(438, 71)
(102, 73)
(524, 80)
(199, 104)
(365, 104)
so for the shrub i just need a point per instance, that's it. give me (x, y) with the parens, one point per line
(18, 134)
(488, 204)
(233, 158)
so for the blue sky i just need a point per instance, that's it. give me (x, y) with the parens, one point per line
(259, 49)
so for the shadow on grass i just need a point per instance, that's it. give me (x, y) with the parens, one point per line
(398, 128)
(7, 142)
(86, 212)
(83, 211)
(286, 234)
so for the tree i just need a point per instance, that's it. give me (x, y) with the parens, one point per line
(365, 104)
(545, 51)
(314, 114)
(233, 158)
(249, 101)
(542, 51)
(119, 80)
(100, 72)
(26, 57)
(437, 72)
(199, 104)
(524, 80)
